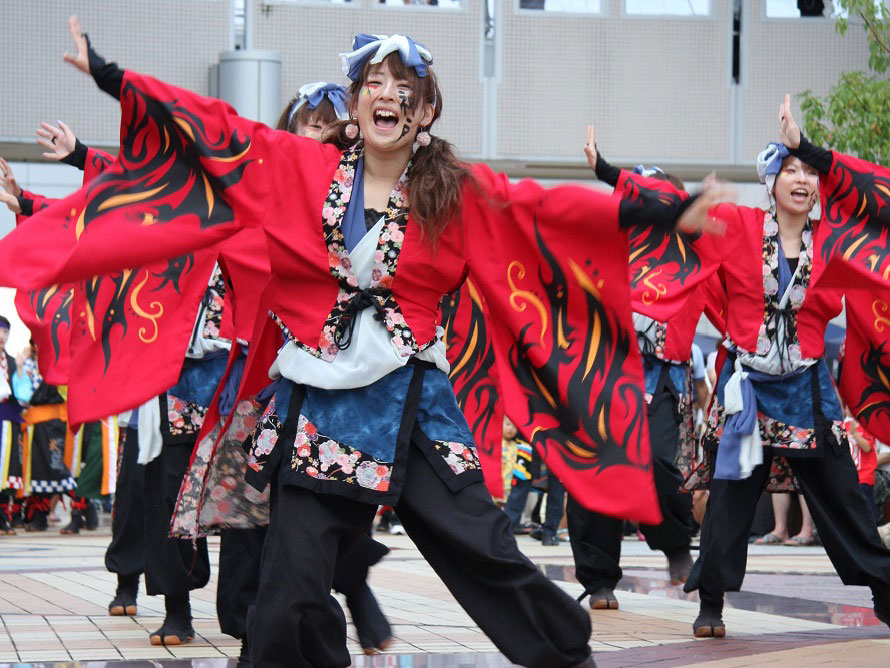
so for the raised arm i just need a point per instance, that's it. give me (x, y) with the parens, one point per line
(189, 173)
(855, 202)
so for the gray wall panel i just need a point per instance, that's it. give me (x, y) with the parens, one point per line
(175, 40)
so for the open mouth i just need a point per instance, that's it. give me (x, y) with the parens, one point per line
(385, 119)
(800, 194)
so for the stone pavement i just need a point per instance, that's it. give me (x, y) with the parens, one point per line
(54, 591)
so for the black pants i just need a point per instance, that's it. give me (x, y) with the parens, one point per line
(240, 551)
(840, 513)
(173, 567)
(124, 555)
(596, 538)
(463, 536)
(239, 577)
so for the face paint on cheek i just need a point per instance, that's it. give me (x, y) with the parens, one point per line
(406, 102)
(406, 128)
(365, 91)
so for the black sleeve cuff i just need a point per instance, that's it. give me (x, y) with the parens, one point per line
(26, 205)
(650, 211)
(815, 156)
(606, 172)
(77, 157)
(108, 76)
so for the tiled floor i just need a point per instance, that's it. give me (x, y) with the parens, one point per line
(54, 591)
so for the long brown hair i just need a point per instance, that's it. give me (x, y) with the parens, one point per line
(436, 177)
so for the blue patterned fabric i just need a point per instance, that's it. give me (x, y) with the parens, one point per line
(652, 371)
(199, 379)
(438, 414)
(790, 400)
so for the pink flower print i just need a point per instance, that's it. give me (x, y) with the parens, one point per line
(763, 344)
(397, 237)
(327, 454)
(468, 455)
(383, 486)
(343, 459)
(266, 441)
(794, 352)
(378, 256)
(352, 281)
(304, 451)
(797, 295)
(770, 228)
(393, 227)
(312, 471)
(347, 182)
(396, 317)
(770, 285)
(366, 475)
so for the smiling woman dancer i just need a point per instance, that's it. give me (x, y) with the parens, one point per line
(797, 414)
(363, 413)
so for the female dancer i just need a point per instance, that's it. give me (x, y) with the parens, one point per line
(769, 361)
(363, 413)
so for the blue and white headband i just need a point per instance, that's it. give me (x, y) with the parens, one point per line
(769, 162)
(364, 46)
(648, 171)
(314, 94)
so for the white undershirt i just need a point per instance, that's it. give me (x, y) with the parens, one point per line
(370, 356)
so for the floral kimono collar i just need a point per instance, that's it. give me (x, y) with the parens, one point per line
(774, 308)
(337, 330)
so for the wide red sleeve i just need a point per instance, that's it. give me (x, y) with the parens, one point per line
(552, 267)
(855, 223)
(189, 173)
(470, 352)
(865, 374)
(96, 162)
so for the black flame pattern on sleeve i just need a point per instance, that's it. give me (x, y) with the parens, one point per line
(654, 248)
(169, 167)
(472, 359)
(856, 215)
(52, 307)
(579, 425)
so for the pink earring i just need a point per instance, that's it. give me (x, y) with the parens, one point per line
(351, 130)
(423, 138)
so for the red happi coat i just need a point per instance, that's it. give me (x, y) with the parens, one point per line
(558, 296)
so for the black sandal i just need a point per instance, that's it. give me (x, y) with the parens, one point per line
(709, 623)
(603, 599)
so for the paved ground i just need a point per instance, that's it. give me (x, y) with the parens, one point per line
(54, 591)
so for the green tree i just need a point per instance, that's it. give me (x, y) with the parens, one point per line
(855, 115)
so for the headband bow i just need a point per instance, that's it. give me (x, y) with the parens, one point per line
(314, 93)
(414, 54)
(647, 171)
(769, 161)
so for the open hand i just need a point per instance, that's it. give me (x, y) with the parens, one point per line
(789, 131)
(7, 180)
(59, 141)
(11, 202)
(80, 60)
(590, 147)
(697, 218)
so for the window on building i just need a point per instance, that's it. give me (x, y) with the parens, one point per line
(795, 9)
(667, 7)
(442, 4)
(565, 6)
